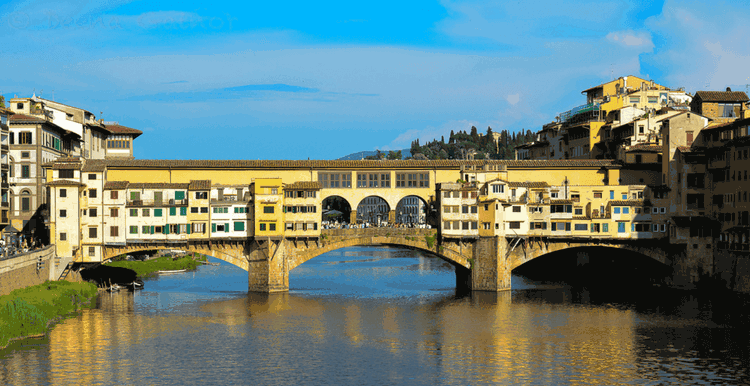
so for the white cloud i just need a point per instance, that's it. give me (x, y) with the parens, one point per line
(513, 99)
(705, 45)
(641, 39)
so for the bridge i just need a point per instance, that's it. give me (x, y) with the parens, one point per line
(481, 264)
(267, 217)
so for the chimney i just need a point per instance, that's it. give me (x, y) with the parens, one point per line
(729, 89)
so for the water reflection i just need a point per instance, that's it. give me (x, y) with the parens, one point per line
(387, 317)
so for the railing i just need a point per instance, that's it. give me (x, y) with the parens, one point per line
(591, 107)
(170, 202)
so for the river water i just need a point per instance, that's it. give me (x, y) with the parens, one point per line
(386, 316)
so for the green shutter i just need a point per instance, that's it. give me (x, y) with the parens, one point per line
(226, 227)
(179, 195)
(166, 229)
(188, 228)
(239, 226)
(213, 227)
(173, 211)
(157, 212)
(183, 211)
(152, 229)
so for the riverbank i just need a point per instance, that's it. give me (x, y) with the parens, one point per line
(29, 312)
(165, 263)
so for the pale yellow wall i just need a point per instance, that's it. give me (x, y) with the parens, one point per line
(266, 197)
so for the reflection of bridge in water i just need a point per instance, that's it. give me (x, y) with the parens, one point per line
(483, 263)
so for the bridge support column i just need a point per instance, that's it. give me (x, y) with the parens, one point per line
(490, 269)
(392, 216)
(268, 266)
(353, 217)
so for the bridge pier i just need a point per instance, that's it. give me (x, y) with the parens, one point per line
(268, 266)
(490, 269)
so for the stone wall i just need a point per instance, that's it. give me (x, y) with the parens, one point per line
(21, 271)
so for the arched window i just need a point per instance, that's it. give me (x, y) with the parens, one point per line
(26, 201)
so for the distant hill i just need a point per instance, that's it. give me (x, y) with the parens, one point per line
(362, 154)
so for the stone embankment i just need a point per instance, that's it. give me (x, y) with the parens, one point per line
(27, 269)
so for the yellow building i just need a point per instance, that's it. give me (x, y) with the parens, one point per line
(269, 209)
(302, 209)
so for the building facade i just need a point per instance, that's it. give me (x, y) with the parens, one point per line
(41, 131)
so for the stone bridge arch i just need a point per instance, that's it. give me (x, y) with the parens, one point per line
(521, 251)
(234, 253)
(425, 240)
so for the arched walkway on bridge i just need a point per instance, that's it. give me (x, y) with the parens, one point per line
(373, 210)
(336, 208)
(411, 210)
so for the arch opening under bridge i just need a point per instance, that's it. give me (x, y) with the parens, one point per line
(609, 264)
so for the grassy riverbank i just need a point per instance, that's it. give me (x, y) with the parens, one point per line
(164, 263)
(28, 312)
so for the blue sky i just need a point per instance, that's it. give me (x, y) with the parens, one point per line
(297, 80)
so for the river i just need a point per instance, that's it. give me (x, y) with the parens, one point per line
(387, 316)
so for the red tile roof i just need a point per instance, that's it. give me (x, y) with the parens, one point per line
(64, 183)
(23, 118)
(199, 185)
(722, 96)
(119, 129)
(116, 185)
(644, 147)
(303, 185)
(361, 164)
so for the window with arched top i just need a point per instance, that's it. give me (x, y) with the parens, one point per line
(26, 201)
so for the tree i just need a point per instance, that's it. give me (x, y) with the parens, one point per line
(394, 155)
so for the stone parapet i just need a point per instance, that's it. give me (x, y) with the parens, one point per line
(21, 271)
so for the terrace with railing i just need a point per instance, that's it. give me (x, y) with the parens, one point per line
(583, 113)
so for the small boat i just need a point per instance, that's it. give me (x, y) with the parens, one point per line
(136, 285)
(172, 271)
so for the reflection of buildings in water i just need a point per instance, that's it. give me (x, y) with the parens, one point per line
(17, 363)
(353, 323)
(410, 210)
(94, 342)
(518, 341)
(373, 210)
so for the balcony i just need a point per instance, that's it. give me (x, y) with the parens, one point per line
(170, 202)
(583, 113)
